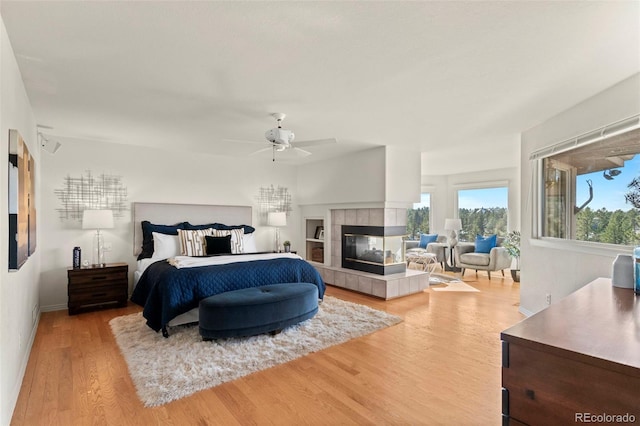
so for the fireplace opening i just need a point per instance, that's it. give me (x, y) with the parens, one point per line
(375, 249)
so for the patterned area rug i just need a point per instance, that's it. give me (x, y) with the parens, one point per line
(164, 370)
(442, 279)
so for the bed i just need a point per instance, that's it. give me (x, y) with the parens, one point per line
(169, 285)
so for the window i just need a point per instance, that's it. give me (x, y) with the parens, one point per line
(590, 190)
(483, 212)
(418, 217)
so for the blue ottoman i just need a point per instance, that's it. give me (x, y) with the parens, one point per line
(257, 310)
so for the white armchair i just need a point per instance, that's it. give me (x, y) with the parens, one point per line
(497, 259)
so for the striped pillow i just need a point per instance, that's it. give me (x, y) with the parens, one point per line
(237, 244)
(192, 242)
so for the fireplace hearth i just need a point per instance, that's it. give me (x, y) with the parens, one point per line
(375, 249)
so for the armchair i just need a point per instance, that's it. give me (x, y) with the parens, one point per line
(439, 248)
(497, 259)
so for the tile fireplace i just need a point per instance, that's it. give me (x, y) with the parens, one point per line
(375, 249)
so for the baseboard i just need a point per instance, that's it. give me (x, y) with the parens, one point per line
(23, 369)
(51, 308)
(525, 312)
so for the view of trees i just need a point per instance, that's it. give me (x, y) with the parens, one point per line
(482, 221)
(603, 226)
(417, 222)
(613, 227)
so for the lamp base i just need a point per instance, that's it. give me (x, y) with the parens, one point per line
(450, 266)
(98, 251)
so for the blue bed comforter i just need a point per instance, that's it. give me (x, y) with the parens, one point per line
(166, 292)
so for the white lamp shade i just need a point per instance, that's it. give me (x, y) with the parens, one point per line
(452, 224)
(97, 219)
(277, 219)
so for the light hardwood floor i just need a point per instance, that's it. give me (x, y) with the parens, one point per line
(441, 365)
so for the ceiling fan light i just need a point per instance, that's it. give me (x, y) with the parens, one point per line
(279, 136)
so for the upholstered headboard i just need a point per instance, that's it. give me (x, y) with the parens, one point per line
(168, 214)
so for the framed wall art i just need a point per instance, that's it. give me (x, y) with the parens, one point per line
(22, 206)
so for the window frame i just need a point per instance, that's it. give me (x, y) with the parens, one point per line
(537, 184)
(429, 191)
(479, 185)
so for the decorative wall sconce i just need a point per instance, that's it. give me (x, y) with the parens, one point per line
(104, 192)
(272, 199)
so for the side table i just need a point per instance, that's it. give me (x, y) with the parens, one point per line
(427, 260)
(97, 287)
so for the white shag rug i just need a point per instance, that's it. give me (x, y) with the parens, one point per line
(164, 370)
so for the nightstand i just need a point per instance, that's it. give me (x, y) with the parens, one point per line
(93, 288)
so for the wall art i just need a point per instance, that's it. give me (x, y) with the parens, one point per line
(22, 206)
(89, 192)
(272, 199)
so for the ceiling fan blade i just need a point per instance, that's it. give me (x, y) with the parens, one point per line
(232, 141)
(315, 142)
(260, 151)
(301, 152)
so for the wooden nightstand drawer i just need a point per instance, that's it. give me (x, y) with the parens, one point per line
(91, 288)
(99, 278)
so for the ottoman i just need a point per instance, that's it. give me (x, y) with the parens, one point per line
(257, 310)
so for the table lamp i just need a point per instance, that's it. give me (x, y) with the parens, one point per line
(98, 220)
(277, 220)
(453, 225)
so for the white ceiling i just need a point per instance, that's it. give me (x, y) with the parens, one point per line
(456, 80)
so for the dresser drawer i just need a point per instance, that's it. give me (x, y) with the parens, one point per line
(545, 388)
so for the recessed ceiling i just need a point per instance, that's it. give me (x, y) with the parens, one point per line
(456, 80)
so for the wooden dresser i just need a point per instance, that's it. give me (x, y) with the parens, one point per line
(577, 359)
(92, 288)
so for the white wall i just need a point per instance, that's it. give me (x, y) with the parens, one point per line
(19, 289)
(375, 178)
(402, 177)
(355, 178)
(559, 269)
(150, 175)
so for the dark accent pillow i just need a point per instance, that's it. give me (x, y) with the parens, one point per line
(485, 244)
(425, 239)
(218, 245)
(247, 229)
(147, 236)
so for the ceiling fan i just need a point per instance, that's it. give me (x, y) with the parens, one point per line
(282, 140)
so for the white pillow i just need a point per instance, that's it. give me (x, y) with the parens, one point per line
(165, 246)
(249, 242)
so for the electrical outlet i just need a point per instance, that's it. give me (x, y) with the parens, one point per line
(548, 299)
